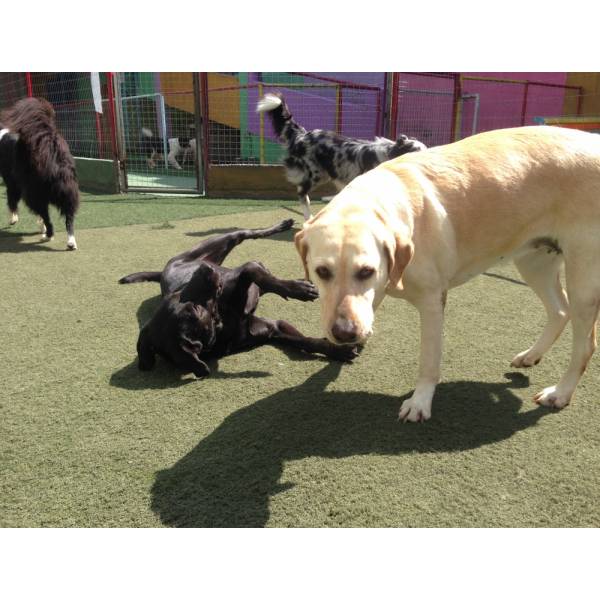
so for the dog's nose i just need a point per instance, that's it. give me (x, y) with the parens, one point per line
(344, 331)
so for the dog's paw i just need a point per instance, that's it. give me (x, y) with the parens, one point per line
(45, 238)
(525, 359)
(343, 353)
(13, 219)
(416, 409)
(552, 398)
(300, 289)
(285, 225)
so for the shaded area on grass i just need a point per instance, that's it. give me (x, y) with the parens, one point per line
(114, 210)
(228, 479)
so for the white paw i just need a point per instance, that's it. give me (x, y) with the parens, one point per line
(71, 243)
(45, 238)
(526, 359)
(14, 218)
(552, 398)
(416, 409)
(41, 225)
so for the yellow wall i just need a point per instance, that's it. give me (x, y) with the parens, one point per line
(591, 94)
(224, 106)
(178, 82)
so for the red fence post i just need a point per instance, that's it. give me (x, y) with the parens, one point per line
(456, 106)
(112, 114)
(394, 105)
(205, 128)
(524, 106)
(29, 84)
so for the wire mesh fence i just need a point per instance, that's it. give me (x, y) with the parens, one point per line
(84, 121)
(159, 130)
(439, 108)
(165, 129)
(237, 135)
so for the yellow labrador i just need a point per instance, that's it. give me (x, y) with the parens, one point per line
(421, 224)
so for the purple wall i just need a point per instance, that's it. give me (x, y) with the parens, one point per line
(425, 108)
(315, 108)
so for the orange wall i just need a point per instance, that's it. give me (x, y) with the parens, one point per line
(591, 94)
(224, 105)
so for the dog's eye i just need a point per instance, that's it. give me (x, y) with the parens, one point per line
(324, 273)
(365, 273)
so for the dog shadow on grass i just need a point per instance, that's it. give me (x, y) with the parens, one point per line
(228, 479)
(15, 241)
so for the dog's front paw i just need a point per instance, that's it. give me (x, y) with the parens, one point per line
(416, 409)
(343, 353)
(13, 218)
(552, 398)
(300, 289)
(525, 359)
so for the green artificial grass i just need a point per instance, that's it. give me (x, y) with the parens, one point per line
(272, 438)
(115, 210)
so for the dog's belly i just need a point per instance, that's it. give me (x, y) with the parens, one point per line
(537, 244)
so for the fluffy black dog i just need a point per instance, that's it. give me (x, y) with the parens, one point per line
(36, 165)
(207, 310)
(314, 157)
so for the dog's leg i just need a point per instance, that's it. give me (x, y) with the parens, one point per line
(71, 243)
(541, 271)
(431, 312)
(255, 272)
(281, 333)
(47, 229)
(303, 190)
(172, 160)
(216, 248)
(583, 290)
(13, 195)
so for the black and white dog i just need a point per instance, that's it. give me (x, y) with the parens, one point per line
(153, 147)
(317, 156)
(36, 165)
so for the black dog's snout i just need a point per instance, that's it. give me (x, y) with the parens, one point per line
(344, 331)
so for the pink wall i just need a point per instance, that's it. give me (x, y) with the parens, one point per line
(426, 107)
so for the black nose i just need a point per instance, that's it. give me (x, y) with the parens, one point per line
(344, 331)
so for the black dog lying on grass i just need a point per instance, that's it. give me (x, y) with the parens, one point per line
(207, 310)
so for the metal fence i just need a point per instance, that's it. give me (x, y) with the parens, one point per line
(166, 130)
(238, 135)
(439, 108)
(86, 123)
(159, 115)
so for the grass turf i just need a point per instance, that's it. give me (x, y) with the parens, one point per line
(271, 439)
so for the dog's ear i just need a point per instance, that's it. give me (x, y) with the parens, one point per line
(302, 248)
(146, 351)
(399, 250)
(190, 346)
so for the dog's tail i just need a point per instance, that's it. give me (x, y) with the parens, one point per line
(285, 127)
(141, 276)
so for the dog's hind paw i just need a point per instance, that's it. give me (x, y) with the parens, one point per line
(13, 219)
(285, 225)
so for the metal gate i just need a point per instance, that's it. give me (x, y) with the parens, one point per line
(160, 132)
